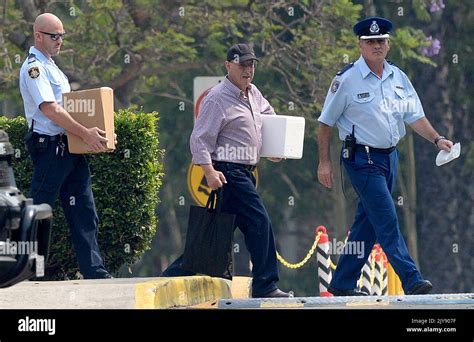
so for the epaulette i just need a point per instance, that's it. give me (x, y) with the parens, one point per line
(391, 63)
(31, 58)
(343, 70)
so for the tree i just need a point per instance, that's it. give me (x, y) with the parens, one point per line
(150, 53)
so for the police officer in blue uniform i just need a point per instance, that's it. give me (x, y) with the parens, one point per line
(55, 170)
(370, 101)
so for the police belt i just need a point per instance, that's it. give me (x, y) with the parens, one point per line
(362, 148)
(48, 137)
(221, 165)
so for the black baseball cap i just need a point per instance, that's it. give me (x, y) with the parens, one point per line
(240, 53)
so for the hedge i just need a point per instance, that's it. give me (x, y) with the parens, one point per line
(125, 185)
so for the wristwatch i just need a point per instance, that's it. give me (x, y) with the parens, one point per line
(438, 139)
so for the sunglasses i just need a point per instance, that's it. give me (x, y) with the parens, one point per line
(248, 64)
(54, 36)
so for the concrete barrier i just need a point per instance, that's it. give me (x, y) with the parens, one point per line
(165, 293)
(119, 293)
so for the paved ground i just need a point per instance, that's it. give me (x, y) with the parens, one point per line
(196, 292)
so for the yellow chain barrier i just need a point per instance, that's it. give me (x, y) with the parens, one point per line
(306, 258)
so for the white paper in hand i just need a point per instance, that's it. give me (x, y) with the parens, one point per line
(445, 157)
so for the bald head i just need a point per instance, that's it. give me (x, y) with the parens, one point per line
(46, 21)
(46, 26)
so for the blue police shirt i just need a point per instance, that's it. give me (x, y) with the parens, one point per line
(41, 81)
(377, 107)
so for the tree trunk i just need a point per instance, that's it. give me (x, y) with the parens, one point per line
(408, 201)
(340, 207)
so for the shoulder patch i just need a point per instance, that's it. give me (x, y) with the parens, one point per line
(31, 58)
(343, 70)
(34, 72)
(335, 86)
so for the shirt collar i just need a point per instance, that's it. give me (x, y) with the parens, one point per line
(365, 70)
(234, 90)
(40, 56)
(387, 70)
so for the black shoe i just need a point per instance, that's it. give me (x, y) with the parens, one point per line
(277, 293)
(107, 276)
(422, 287)
(100, 275)
(345, 293)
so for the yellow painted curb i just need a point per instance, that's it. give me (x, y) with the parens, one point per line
(241, 287)
(164, 293)
(365, 303)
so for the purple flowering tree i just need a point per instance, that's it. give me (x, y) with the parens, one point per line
(433, 48)
(436, 5)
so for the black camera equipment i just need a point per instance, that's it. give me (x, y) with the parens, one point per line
(25, 229)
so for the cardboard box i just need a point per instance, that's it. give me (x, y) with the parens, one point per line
(91, 108)
(282, 136)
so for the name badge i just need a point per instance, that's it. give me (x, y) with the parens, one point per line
(363, 95)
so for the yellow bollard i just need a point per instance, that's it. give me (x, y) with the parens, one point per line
(394, 283)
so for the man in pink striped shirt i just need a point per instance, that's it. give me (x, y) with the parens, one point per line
(226, 142)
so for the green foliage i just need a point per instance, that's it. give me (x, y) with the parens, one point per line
(406, 43)
(343, 9)
(420, 8)
(16, 129)
(125, 185)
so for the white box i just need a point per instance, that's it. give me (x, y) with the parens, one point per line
(282, 136)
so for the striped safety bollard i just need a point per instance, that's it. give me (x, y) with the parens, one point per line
(377, 284)
(364, 280)
(384, 274)
(372, 268)
(324, 262)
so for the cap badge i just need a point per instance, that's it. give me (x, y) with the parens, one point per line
(374, 28)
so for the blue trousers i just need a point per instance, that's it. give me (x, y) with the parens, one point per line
(375, 220)
(69, 176)
(240, 197)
